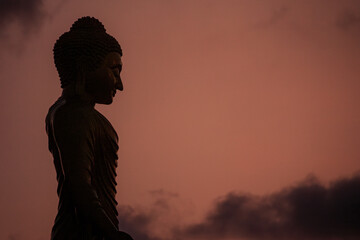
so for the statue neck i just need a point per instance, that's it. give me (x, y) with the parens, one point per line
(70, 92)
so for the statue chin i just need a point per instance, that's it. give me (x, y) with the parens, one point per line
(105, 101)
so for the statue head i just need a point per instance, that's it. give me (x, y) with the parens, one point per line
(89, 59)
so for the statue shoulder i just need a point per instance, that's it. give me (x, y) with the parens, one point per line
(70, 115)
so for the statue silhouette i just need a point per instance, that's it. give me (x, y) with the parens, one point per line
(82, 141)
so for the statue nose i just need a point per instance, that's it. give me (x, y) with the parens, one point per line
(119, 85)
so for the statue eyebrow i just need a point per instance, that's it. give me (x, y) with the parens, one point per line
(117, 66)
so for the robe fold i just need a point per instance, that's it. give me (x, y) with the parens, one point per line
(84, 147)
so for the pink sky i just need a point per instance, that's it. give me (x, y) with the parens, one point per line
(219, 96)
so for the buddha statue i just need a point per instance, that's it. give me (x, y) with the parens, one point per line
(82, 141)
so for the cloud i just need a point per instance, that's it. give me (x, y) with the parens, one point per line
(136, 223)
(306, 211)
(154, 223)
(28, 13)
(19, 21)
(349, 20)
(278, 15)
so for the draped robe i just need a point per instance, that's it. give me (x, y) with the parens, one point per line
(84, 147)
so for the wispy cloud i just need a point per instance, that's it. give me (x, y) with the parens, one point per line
(155, 223)
(277, 16)
(137, 223)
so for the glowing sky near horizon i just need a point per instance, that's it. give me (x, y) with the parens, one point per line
(219, 96)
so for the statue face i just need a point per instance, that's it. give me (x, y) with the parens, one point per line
(102, 83)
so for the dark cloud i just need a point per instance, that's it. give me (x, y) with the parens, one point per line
(349, 21)
(306, 211)
(28, 13)
(19, 21)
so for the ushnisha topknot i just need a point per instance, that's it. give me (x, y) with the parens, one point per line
(85, 45)
(88, 24)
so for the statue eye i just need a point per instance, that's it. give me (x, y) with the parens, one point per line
(117, 69)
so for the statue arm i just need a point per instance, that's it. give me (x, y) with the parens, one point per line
(75, 142)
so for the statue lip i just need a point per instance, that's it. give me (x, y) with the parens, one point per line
(113, 93)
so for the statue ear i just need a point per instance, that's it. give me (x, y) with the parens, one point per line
(81, 76)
